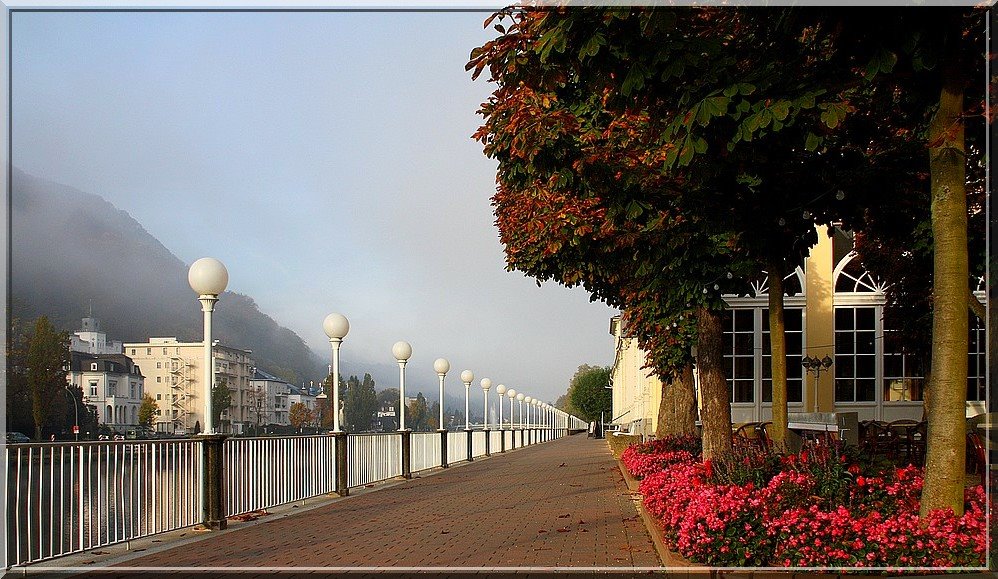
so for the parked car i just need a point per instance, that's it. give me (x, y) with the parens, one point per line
(17, 438)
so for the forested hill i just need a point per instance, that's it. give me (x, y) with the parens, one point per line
(71, 249)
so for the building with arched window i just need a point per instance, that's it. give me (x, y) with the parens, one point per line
(832, 307)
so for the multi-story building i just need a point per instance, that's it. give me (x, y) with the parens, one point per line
(90, 339)
(112, 387)
(175, 378)
(270, 395)
(832, 307)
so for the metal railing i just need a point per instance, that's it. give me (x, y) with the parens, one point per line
(478, 443)
(67, 498)
(373, 457)
(265, 472)
(457, 446)
(64, 498)
(425, 450)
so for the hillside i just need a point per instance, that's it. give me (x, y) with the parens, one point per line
(71, 250)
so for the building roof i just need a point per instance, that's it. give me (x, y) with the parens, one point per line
(110, 363)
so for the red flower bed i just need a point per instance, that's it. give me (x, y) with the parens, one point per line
(815, 511)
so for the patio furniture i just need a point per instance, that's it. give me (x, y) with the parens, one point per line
(901, 432)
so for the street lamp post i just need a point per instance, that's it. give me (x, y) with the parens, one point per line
(486, 385)
(812, 365)
(208, 278)
(467, 376)
(441, 366)
(501, 391)
(519, 403)
(511, 394)
(336, 327)
(527, 400)
(402, 351)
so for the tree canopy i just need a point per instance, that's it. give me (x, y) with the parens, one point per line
(590, 394)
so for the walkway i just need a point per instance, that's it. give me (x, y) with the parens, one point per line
(562, 504)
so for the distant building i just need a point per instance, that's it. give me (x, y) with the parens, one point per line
(91, 340)
(112, 387)
(175, 378)
(386, 419)
(271, 396)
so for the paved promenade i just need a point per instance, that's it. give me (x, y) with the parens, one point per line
(560, 504)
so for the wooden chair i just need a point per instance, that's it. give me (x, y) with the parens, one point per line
(975, 447)
(762, 434)
(876, 438)
(901, 437)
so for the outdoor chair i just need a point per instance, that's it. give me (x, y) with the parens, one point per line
(762, 433)
(975, 448)
(901, 437)
(746, 431)
(876, 438)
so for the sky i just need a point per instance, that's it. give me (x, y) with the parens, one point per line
(325, 158)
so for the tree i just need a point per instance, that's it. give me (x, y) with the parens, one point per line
(600, 125)
(47, 360)
(19, 417)
(300, 415)
(221, 400)
(589, 392)
(617, 129)
(418, 414)
(147, 411)
(433, 418)
(360, 403)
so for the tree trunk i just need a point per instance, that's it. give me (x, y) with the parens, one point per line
(677, 413)
(778, 348)
(715, 411)
(944, 465)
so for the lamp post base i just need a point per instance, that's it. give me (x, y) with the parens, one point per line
(406, 453)
(443, 447)
(213, 513)
(340, 440)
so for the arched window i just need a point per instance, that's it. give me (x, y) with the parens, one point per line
(109, 415)
(850, 277)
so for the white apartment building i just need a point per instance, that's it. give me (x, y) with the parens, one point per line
(270, 394)
(112, 387)
(174, 378)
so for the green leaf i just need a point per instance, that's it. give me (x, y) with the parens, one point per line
(746, 88)
(592, 46)
(685, 155)
(730, 91)
(634, 210)
(635, 79)
(780, 110)
(812, 142)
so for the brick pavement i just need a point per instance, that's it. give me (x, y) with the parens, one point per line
(561, 504)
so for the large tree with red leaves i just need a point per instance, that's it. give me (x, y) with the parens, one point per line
(661, 157)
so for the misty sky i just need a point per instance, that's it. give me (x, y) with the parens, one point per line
(325, 158)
